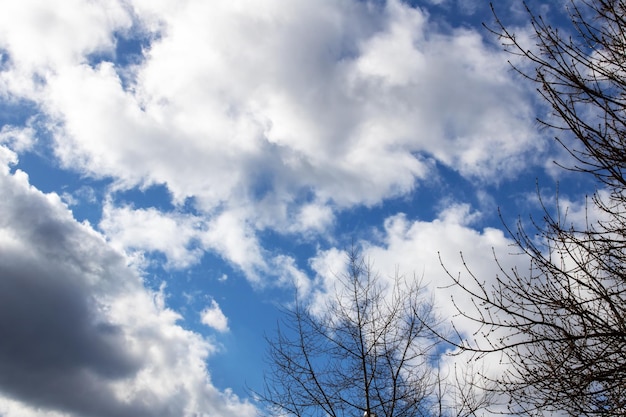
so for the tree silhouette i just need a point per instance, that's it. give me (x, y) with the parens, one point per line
(369, 351)
(561, 326)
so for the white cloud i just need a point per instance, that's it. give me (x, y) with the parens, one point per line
(213, 317)
(391, 55)
(312, 217)
(71, 310)
(297, 110)
(184, 238)
(19, 139)
(41, 37)
(230, 235)
(151, 230)
(289, 275)
(417, 249)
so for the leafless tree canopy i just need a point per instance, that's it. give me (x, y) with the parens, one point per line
(370, 351)
(580, 72)
(561, 326)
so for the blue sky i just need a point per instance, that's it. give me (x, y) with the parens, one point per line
(171, 170)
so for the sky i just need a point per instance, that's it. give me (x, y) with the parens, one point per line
(171, 171)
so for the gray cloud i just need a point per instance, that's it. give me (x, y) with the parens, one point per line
(56, 348)
(78, 331)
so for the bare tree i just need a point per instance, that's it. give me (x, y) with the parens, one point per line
(561, 326)
(368, 352)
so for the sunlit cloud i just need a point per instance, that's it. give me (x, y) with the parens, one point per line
(213, 317)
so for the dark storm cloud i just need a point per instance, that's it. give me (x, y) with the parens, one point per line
(79, 333)
(48, 329)
(57, 349)
(36, 305)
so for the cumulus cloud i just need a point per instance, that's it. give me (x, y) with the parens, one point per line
(38, 38)
(418, 248)
(257, 116)
(213, 317)
(19, 139)
(151, 230)
(423, 251)
(297, 109)
(81, 336)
